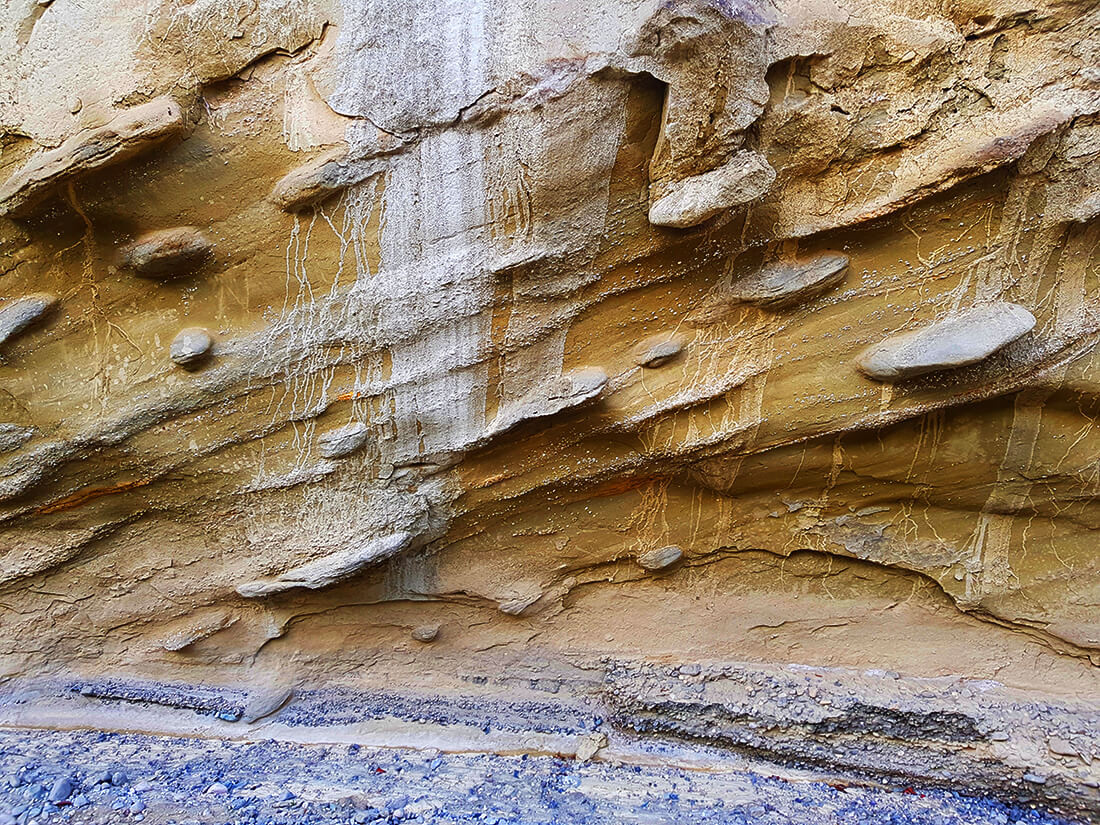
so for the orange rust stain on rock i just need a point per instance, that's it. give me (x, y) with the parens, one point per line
(84, 496)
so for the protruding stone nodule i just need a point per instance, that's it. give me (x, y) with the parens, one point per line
(168, 253)
(525, 594)
(320, 179)
(782, 283)
(657, 351)
(570, 389)
(660, 558)
(329, 569)
(425, 633)
(17, 315)
(963, 339)
(191, 347)
(343, 440)
(688, 202)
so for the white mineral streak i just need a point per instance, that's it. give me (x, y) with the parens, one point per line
(435, 283)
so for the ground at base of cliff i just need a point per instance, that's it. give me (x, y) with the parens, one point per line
(96, 777)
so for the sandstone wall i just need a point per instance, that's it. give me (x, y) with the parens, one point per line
(325, 322)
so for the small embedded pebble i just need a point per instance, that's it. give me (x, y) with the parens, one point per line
(217, 788)
(660, 558)
(425, 632)
(61, 790)
(137, 807)
(190, 346)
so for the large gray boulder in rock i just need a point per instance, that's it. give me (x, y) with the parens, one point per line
(660, 558)
(657, 351)
(785, 282)
(329, 569)
(318, 180)
(964, 339)
(19, 314)
(688, 202)
(523, 594)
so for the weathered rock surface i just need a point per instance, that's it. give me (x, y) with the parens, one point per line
(436, 220)
(957, 341)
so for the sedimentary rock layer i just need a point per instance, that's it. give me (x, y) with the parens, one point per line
(482, 308)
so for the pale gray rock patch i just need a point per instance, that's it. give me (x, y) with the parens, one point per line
(660, 558)
(785, 282)
(17, 315)
(525, 594)
(656, 352)
(329, 569)
(688, 202)
(343, 440)
(425, 632)
(190, 346)
(569, 390)
(963, 339)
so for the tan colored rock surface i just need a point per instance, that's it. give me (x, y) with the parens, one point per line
(541, 384)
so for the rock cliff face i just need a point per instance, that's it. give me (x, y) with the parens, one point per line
(477, 345)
